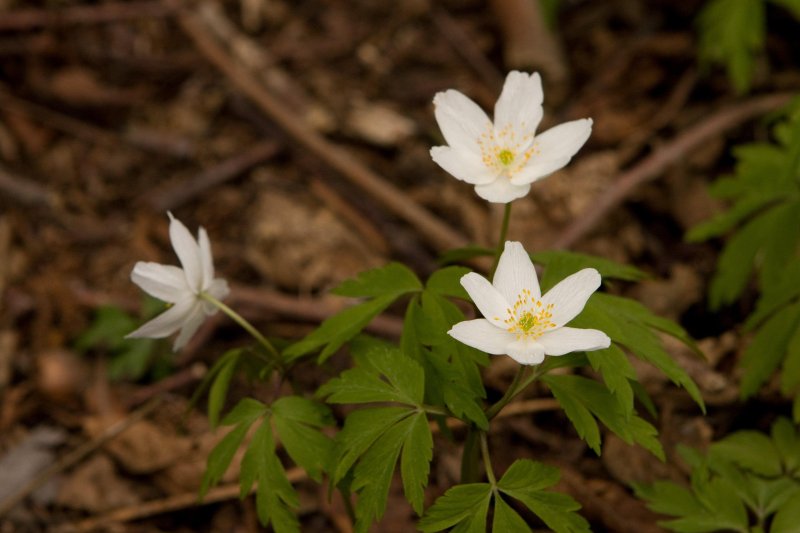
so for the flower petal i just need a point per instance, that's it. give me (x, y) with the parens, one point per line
(569, 296)
(461, 120)
(167, 322)
(565, 340)
(165, 282)
(502, 191)
(489, 301)
(206, 259)
(526, 352)
(463, 165)
(520, 104)
(553, 149)
(188, 253)
(515, 272)
(483, 335)
(190, 326)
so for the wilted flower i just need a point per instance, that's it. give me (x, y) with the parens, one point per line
(522, 323)
(503, 158)
(183, 288)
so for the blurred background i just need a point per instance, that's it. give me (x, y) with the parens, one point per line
(297, 133)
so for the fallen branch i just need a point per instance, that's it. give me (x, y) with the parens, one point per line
(653, 165)
(29, 19)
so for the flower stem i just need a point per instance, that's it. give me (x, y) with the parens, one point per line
(469, 457)
(487, 460)
(518, 384)
(247, 326)
(501, 242)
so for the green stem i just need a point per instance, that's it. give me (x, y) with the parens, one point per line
(248, 327)
(502, 241)
(517, 385)
(433, 410)
(487, 460)
(469, 457)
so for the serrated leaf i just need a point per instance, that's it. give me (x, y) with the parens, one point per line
(447, 282)
(338, 329)
(246, 411)
(415, 461)
(361, 429)
(275, 496)
(222, 373)
(584, 396)
(390, 377)
(525, 480)
(506, 518)
(776, 295)
(297, 421)
(392, 280)
(559, 264)
(787, 441)
(462, 503)
(764, 354)
(617, 373)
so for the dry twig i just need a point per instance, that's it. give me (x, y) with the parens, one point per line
(29, 19)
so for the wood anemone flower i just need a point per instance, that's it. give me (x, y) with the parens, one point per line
(182, 288)
(519, 320)
(502, 158)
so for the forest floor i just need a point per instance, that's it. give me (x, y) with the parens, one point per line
(297, 134)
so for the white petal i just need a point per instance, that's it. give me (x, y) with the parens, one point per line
(570, 295)
(206, 259)
(565, 340)
(188, 253)
(167, 322)
(463, 165)
(190, 326)
(515, 272)
(461, 120)
(483, 335)
(526, 352)
(553, 150)
(217, 289)
(520, 103)
(165, 282)
(502, 191)
(489, 301)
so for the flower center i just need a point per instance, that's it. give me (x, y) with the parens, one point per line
(506, 150)
(529, 318)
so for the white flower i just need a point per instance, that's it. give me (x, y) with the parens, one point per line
(520, 321)
(503, 158)
(180, 287)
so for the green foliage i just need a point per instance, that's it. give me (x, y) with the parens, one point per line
(746, 474)
(383, 285)
(298, 422)
(465, 507)
(765, 220)
(129, 358)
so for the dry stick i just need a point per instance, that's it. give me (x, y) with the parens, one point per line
(26, 192)
(181, 193)
(654, 164)
(28, 19)
(77, 454)
(173, 503)
(437, 233)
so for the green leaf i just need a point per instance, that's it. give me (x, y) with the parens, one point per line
(361, 429)
(731, 33)
(467, 503)
(749, 449)
(506, 518)
(222, 373)
(447, 282)
(243, 416)
(787, 441)
(763, 356)
(390, 377)
(525, 480)
(776, 295)
(339, 328)
(415, 461)
(275, 496)
(787, 519)
(617, 372)
(297, 421)
(559, 264)
(583, 398)
(792, 5)
(392, 280)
